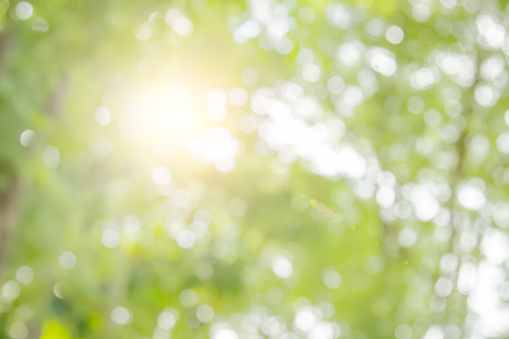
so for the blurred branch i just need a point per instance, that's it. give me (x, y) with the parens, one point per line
(458, 174)
(461, 148)
(10, 199)
(59, 96)
(4, 42)
(9, 202)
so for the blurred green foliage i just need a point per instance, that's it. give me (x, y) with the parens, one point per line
(259, 169)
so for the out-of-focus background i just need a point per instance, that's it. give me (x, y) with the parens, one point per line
(260, 169)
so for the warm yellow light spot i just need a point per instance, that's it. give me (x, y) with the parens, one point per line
(159, 112)
(313, 202)
(353, 228)
(328, 212)
(337, 218)
(119, 77)
(53, 330)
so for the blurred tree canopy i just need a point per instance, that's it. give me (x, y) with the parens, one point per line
(260, 169)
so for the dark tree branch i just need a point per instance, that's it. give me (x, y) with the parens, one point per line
(461, 148)
(9, 202)
(11, 198)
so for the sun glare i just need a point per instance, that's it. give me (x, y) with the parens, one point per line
(160, 115)
(169, 112)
